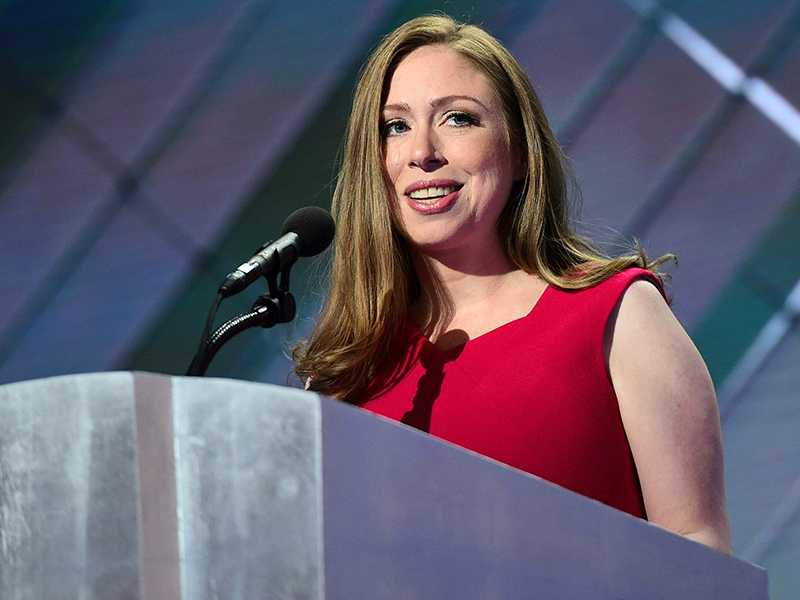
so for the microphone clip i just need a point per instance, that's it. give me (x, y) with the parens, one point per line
(277, 306)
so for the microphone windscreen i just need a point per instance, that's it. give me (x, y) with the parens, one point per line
(314, 226)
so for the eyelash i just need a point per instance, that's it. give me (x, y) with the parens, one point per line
(386, 129)
(468, 120)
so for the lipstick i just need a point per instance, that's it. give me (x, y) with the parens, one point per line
(432, 196)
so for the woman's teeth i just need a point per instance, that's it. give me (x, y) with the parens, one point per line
(432, 193)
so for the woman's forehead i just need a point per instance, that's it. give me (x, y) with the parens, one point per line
(436, 71)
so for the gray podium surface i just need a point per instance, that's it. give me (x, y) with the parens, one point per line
(141, 486)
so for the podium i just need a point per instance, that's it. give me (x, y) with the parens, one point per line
(149, 487)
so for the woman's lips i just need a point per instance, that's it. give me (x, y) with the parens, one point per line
(423, 188)
(427, 184)
(430, 207)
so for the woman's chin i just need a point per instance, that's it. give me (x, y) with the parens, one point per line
(435, 242)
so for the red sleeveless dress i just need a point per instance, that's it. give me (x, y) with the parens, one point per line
(533, 393)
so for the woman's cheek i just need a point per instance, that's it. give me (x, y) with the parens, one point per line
(393, 165)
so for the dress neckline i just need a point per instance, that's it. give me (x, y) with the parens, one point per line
(455, 351)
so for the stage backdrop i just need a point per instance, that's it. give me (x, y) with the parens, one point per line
(148, 147)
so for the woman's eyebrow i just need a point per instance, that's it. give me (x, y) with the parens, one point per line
(435, 103)
(399, 107)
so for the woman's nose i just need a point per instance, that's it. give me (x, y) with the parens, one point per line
(425, 152)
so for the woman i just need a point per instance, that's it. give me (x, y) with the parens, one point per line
(462, 303)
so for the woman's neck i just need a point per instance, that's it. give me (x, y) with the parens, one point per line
(471, 293)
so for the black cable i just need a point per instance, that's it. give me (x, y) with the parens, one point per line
(201, 348)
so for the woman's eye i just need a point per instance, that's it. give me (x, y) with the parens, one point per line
(394, 127)
(461, 119)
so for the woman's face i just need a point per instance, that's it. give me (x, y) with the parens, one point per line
(446, 152)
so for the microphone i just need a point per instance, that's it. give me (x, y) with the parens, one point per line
(306, 232)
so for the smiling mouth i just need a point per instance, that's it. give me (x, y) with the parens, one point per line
(432, 194)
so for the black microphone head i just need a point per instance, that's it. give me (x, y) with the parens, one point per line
(314, 226)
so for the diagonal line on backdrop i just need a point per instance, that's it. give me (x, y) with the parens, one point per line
(774, 525)
(730, 76)
(634, 46)
(740, 88)
(762, 347)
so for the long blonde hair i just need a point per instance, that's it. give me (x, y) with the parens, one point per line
(373, 281)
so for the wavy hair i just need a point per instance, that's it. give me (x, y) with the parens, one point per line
(373, 281)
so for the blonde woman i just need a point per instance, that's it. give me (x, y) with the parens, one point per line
(461, 302)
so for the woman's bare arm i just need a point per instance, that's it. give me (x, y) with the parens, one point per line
(670, 413)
